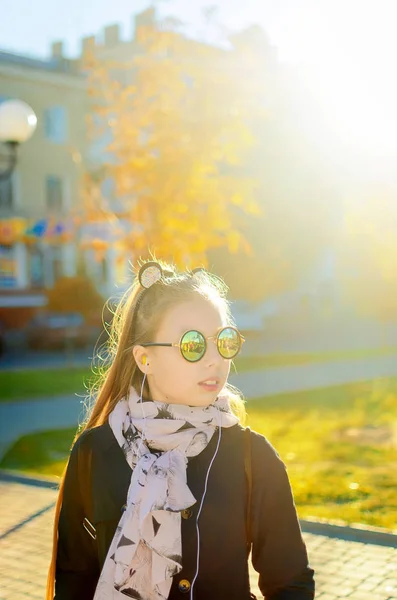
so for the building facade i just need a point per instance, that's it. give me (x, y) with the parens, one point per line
(40, 217)
(36, 204)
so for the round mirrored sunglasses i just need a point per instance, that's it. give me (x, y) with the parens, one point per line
(193, 344)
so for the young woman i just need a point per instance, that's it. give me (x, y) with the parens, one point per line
(156, 502)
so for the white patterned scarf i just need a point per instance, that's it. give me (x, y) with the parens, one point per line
(157, 440)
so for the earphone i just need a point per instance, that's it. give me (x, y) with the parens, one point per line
(144, 360)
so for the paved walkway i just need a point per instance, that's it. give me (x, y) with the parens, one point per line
(344, 569)
(16, 361)
(31, 416)
(278, 380)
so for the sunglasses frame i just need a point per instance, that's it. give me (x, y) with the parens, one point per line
(210, 337)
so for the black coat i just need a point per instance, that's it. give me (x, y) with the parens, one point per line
(278, 551)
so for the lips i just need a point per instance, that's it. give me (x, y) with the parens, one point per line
(210, 385)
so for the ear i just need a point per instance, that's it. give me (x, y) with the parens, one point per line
(142, 359)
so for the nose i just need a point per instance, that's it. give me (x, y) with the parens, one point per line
(212, 356)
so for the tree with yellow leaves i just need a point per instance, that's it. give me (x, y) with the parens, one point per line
(368, 254)
(175, 126)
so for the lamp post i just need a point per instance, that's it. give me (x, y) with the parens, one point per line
(17, 124)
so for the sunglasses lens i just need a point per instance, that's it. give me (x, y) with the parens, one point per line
(193, 346)
(229, 342)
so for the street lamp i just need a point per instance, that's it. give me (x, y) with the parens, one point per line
(17, 125)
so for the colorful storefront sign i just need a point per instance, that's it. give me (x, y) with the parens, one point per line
(12, 230)
(17, 230)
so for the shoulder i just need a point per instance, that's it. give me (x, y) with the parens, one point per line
(91, 438)
(264, 455)
(266, 461)
(263, 447)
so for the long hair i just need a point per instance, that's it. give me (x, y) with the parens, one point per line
(136, 321)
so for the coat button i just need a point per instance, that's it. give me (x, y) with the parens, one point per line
(187, 513)
(184, 586)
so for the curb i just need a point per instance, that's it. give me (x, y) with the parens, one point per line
(363, 534)
(354, 533)
(34, 481)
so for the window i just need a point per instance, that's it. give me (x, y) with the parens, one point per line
(8, 272)
(6, 185)
(55, 124)
(54, 193)
(36, 267)
(6, 194)
(57, 263)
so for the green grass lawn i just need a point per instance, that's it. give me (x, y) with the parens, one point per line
(339, 444)
(15, 385)
(31, 384)
(340, 447)
(40, 453)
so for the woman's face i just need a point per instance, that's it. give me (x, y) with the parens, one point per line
(171, 378)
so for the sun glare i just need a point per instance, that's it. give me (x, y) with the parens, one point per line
(349, 50)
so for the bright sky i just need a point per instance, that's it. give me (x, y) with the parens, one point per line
(350, 45)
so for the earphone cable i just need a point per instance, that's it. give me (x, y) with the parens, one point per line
(201, 507)
(143, 436)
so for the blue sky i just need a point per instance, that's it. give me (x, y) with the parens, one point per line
(29, 27)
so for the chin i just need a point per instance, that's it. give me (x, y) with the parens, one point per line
(204, 401)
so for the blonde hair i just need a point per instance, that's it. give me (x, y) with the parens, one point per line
(136, 321)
